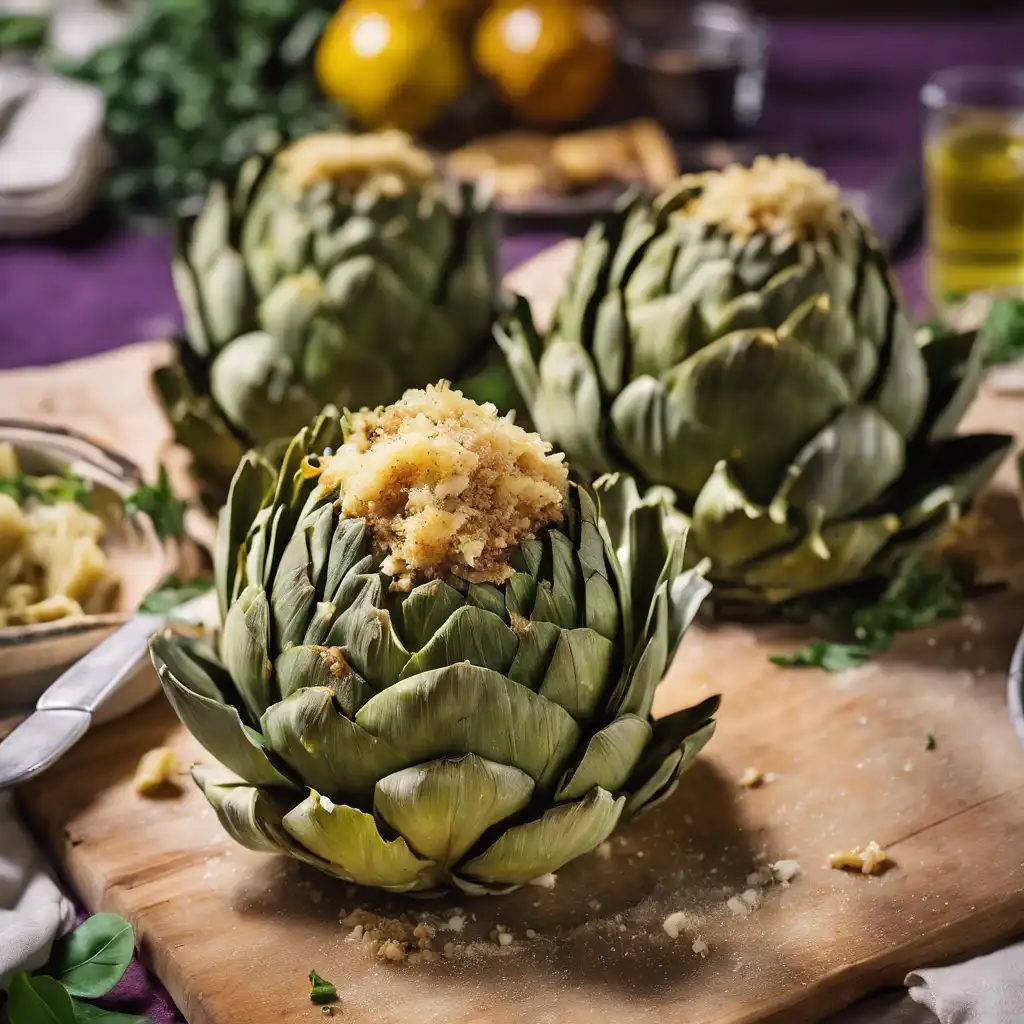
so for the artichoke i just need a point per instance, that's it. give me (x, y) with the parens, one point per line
(437, 665)
(343, 271)
(740, 342)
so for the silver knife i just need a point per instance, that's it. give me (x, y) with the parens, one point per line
(64, 712)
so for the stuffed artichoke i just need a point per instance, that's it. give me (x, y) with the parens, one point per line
(741, 342)
(341, 272)
(436, 668)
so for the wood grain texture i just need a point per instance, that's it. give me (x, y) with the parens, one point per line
(232, 934)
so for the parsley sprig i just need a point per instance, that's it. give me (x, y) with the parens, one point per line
(158, 501)
(321, 992)
(47, 490)
(919, 595)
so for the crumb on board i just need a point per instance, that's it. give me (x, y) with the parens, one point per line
(751, 778)
(870, 859)
(786, 870)
(676, 923)
(545, 881)
(701, 948)
(156, 770)
(604, 851)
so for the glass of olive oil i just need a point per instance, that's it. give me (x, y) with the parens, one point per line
(974, 172)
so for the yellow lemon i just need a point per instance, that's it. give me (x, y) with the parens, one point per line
(552, 61)
(391, 63)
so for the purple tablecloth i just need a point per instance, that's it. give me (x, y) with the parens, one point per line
(848, 91)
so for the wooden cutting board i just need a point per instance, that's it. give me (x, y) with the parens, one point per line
(233, 934)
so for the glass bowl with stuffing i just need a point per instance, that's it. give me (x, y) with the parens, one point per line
(73, 566)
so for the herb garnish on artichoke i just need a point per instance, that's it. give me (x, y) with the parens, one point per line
(342, 272)
(435, 670)
(741, 341)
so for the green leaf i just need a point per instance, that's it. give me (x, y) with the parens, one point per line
(85, 1013)
(47, 490)
(1004, 332)
(90, 960)
(38, 1000)
(829, 656)
(172, 592)
(321, 991)
(159, 502)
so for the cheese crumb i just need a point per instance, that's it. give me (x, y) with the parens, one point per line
(155, 772)
(676, 923)
(701, 948)
(751, 778)
(392, 949)
(786, 870)
(752, 898)
(544, 881)
(530, 933)
(868, 860)
(604, 851)
(737, 907)
(504, 938)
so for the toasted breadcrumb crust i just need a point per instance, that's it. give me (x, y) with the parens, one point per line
(390, 159)
(446, 485)
(775, 195)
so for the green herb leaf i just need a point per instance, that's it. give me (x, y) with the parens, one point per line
(930, 742)
(321, 991)
(85, 1013)
(1003, 331)
(25, 33)
(91, 960)
(173, 592)
(38, 1000)
(159, 502)
(918, 595)
(829, 656)
(47, 490)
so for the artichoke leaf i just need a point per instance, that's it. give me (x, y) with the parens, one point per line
(567, 408)
(314, 666)
(520, 594)
(754, 399)
(874, 304)
(602, 607)
(900, 391)
(470, 635)
(186, 287)
(349, 546)
(465, 709)
(328, 751)
(427, 608)
(562, 834)
(825, 558)
(635, 692)
(251, 815)
(224, 287)
(730, 528)
(564, 607)
(610, 757)
(661, 783)
(320, 624)
(365, 629)
(442, 807)
(289, 309)
(650, 430)
(685, 594)
(488, 597)
(577, 677)
(845, 467)
(577, 309)
(609, 347)
(339, 368)
(537, 642)
(653, 271)
(349, 840)
(662, 332)
(217, 726)
(950, 471)
(955, 364)
(245, 648)
(294, 595)
(521, 345)
(245, 497)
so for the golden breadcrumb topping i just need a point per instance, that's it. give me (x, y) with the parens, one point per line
(446, 485)
(776, 196)
(390, 159)
(868, 860)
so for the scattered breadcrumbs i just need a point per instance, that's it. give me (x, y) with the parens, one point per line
(786, 870)
(751, 778)
(868, 860)
(604, 851)
(701, 948)
(446, 485)
(156, 771)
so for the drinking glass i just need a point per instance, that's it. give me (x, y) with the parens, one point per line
(974, 173)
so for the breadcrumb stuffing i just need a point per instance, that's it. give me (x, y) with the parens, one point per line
(446, 485)
(868, 860)
(775, 195)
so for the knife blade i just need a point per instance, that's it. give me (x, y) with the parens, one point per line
(63, 714)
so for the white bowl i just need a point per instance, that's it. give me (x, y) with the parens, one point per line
(32, 657)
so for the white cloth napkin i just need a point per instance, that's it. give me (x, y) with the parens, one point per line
(986, 990)
(33, 910)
